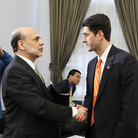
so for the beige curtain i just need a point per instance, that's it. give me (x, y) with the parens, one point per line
(66, 17)
(128, 15)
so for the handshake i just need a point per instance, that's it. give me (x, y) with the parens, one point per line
(82, 113)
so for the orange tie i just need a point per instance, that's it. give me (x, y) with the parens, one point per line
(96, 87)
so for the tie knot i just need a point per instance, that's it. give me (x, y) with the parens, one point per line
(38, 73)
(99, 61)
(36, 69)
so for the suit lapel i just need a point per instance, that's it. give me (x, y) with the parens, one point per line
(107, 70)
(28, 67)
(92, 73)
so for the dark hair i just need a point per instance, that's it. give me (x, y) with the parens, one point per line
(72, 72)
(15, 38)
(99, 22)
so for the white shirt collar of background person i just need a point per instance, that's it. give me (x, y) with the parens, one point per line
(28, 61)
(104, 57)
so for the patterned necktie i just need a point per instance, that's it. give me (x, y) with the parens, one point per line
(70, 97)
(96, 87)
(38, 73)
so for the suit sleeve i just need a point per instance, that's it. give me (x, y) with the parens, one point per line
(87, 98)
(128, 99)
(24, 91)
(4, 61)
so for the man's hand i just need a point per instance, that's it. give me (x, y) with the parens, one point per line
(82, 113)
(1, 51)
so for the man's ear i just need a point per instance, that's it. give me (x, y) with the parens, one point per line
(100, 34)
(21, 45)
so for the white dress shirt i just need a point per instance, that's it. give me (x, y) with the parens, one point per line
(28, 61)
(104, 57)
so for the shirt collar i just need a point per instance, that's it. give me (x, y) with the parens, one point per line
(105, 54)
(28, 61)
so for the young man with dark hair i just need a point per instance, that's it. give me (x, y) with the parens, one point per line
(112, 90)
(68, 85)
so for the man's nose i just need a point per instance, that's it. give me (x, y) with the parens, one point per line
(83, 40)
(41, 42)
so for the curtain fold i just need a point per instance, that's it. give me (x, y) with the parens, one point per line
(66, 17)
(128, 15)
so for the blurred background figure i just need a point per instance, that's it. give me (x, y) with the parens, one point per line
(67, 87)
(5, 59)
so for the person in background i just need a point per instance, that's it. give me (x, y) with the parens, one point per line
(30, 110)
(112, 84)
(5, 59)
(68, 86)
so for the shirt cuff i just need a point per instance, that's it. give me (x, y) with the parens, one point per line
(74, 111)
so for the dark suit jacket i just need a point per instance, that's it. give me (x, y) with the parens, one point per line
(63, 87)
(116, 105)
(30, 112)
